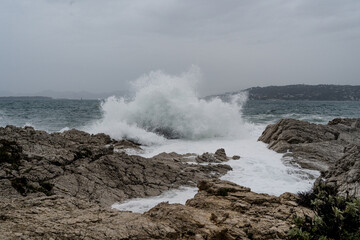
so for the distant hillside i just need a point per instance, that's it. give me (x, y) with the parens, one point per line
(63, 95)
(306, 92)
(299, 92)
(26, 98)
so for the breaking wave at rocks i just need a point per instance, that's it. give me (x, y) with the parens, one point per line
(167, 115)
(167, 107)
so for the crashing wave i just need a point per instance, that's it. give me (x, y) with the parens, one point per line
(167, 106)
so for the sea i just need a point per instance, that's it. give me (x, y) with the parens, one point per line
(165, 114)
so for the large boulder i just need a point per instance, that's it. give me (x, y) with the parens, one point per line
(288, 132)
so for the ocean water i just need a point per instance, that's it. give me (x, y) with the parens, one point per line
(166, 115)
(49, 115)
(61, 114)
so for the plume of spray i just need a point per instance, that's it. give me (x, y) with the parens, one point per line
(167, 106)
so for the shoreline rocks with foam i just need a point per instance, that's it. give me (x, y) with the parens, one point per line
(221, 210)
(333, 149)
(61, 185)
(77, 164)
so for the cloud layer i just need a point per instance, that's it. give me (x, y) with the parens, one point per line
(99, 46)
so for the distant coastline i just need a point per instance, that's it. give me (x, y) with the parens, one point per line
(306, 92)
(26, 98)
(299, 92)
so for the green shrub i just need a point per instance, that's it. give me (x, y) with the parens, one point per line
(336, 217)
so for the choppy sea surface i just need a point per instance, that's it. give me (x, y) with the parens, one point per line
(166, 115)
(60, 114)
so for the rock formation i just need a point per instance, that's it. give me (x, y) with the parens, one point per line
(221, 210)
(332, 149)
(77, 164)
(218, 157)
(61, 185)
(345, 173)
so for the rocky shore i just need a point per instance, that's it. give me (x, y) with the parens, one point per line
(333, 149)
(89, 167)
(61, 185)
(221, 210)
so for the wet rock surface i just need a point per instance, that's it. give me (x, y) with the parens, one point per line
(332, 149)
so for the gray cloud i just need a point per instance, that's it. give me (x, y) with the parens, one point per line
(100, 46)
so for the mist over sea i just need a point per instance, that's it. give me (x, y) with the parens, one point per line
(167, 115)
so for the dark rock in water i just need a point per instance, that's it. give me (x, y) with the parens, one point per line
(77, 164)
(236, 157)
(207, 158)
(218, 157)
(221, 155)
(168, 133)
(331, 148)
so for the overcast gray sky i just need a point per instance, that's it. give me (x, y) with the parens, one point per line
(101, 45)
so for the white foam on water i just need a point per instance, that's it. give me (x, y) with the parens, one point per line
(64, 129)
(27, 124)
(259, 168)
(141, 205)
(168, 106)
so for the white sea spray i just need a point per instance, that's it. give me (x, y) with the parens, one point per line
(168, 106)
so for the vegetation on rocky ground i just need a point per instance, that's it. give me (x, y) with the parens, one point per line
(336, 217)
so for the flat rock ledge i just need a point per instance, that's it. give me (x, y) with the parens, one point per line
(221, 210)
(333, 149)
